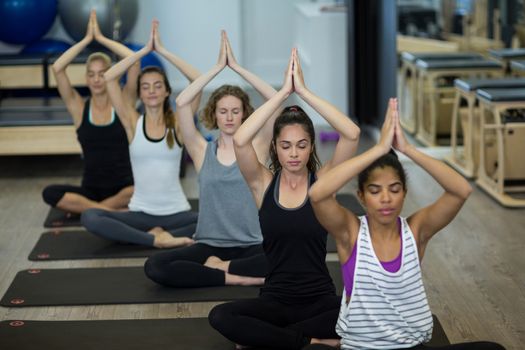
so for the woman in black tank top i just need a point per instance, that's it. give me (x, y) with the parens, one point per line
(297, 305)
(107, 181)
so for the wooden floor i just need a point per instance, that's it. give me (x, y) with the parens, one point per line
(474, 270)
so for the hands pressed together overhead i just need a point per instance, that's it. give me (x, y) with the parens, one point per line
(392, 135)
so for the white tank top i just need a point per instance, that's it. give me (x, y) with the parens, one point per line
(387, 310)
(156, 175)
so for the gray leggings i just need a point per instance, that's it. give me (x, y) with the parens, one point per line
(132, 226)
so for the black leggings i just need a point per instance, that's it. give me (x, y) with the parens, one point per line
(52, 194)
(184, 267)
(264, 322)
(482, 345)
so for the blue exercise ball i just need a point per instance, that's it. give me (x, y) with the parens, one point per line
(26, 21)
(46, 46)
(113, 16)
(151, 59)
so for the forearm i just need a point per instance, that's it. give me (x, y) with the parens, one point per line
(338, 120)
(122, 66)
(256, 121)
(334, 179)
(450, 180)
(262, 87)
(188, 95)
(65, 59)
(191, 73)
(115, 47)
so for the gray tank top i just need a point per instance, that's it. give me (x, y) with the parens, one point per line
(228, 216)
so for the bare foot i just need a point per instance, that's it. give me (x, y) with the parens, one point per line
(335, 343)
(164, 239)
(216, 263)
(236, 280)
(241, 347)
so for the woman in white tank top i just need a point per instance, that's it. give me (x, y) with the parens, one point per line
(159, 214)
(384, 305)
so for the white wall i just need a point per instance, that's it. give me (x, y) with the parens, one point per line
(262, 33)
(191, 29)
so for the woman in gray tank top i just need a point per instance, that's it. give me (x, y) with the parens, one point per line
(228, 246)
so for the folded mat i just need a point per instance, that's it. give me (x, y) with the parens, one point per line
(181, 333)
(115, 285)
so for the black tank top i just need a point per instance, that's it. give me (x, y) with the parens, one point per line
(105, 151)
(295, 247)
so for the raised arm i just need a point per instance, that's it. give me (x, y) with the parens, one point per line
(130, 89)
(348, 131)
(336, 219)
(191, 73)
(72, 99)
(255, 173)
(126, 112)
(264, 136)
(428, 221)
(193, 140)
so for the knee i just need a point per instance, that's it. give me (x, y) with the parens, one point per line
(90, 218)
(152, 271)
(220, 318)
(51, 195)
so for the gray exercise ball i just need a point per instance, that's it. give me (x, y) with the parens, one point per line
(114, 17)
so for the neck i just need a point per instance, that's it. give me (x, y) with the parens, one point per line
(294, 180)
(100, 101)
(225, 141)
(384, 232)
(155, 114)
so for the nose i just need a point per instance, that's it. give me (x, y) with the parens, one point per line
(229, 116)
(385, 196)
(294, 152)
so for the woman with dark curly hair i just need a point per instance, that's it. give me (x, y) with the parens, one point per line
(228, 248)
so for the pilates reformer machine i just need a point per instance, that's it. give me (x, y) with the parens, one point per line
(491, 114)
(435, 93)
(408, 77)
(33, 120)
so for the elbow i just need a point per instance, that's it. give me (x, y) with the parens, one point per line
(314, 195)
(237, 142)
(179, 103)
(352, 133)
(355, 133)
(55, 69)
(108, 77)
(466, 191)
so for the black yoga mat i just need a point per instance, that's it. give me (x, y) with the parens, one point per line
(80, 244)
(115, 285)
(60, 218)
(351, 203)
(181, 333)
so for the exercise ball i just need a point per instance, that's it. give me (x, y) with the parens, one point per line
(121, 17)
(45, 46)
(26, 21)
(151, 59)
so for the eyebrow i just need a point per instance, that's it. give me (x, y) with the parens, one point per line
(392, 184)
(285, 141)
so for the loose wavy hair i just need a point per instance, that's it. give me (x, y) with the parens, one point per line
(207, 115)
